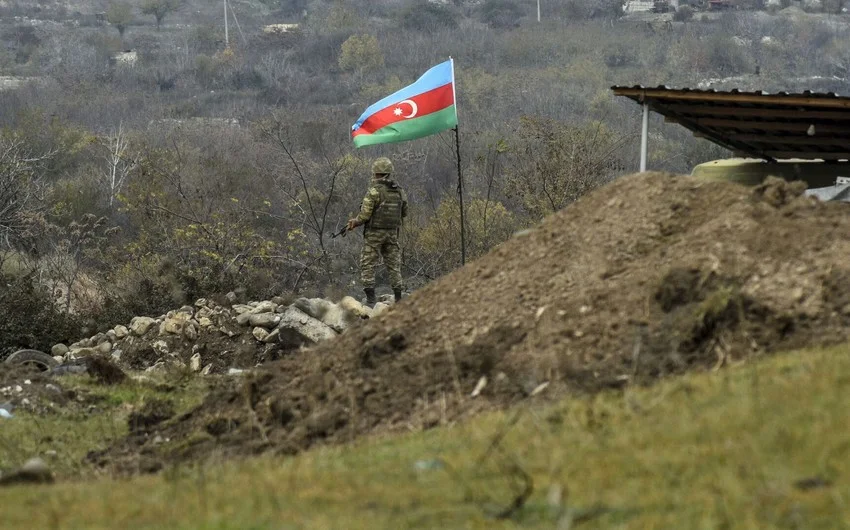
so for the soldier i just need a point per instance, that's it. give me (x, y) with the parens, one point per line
(382, 211)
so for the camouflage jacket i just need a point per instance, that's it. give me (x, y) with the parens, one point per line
(379, 192)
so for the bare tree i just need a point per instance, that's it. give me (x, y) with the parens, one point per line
(119, 161)
(159, 9)
(21, 189)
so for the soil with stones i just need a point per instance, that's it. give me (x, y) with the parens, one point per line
(651, 275)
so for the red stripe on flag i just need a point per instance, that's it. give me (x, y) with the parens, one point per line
(425, 103)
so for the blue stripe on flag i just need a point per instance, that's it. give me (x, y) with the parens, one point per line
(435, 77)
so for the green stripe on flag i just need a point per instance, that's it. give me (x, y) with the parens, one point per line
(411, 129)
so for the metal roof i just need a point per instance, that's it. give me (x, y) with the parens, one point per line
(805, 125)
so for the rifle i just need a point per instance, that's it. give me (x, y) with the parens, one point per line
(342, 232)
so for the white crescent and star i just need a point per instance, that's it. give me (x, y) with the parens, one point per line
(413, 109)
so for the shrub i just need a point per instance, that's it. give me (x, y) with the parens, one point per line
(683, 14)
(425, 16)
(501, 13)
(30, 316)
(361, 53)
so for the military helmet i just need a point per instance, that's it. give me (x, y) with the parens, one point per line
(382, 166)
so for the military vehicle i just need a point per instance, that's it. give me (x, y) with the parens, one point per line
(827, 181)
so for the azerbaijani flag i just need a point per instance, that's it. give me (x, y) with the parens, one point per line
(423, 108)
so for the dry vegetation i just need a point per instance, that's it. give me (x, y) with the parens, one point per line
(131, 183)
(759, 445)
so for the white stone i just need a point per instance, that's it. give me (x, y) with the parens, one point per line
(160, 347)
(260, 333)
(207, 369)
(265, 306)
(297, 328)
(379, 309)
(195, 362)
(121, 332)
(264, 320)
(140, 325)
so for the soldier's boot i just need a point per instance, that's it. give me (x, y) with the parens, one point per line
(370, 296)
(397, 293)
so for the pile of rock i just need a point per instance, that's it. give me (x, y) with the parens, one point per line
(207, 337)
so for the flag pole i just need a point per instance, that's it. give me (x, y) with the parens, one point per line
(459, 172)
(460, 197)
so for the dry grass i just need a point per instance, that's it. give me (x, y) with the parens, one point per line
(719, 450)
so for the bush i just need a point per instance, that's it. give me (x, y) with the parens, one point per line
(501, 13)
(361, 53)
(683, 14)
(30, 318)
(425, 16)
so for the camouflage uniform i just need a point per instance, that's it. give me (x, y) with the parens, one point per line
(382, 211)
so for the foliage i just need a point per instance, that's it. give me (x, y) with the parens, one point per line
(119, 14)
(503, 14)
(554, 164)
(683, 14)
(361, 53)
(488, 223)
(159, 9)
(31, 318)
(421, 15)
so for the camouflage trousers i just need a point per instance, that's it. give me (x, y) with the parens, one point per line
(379, 243)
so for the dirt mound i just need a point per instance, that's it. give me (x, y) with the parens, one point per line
(651, 275)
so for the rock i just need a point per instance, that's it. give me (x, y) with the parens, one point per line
(121, 332)
(388, 299)
(140, 325)
(58, 350)
(380, 308)
(235, 371)
(116, 355)
(204, 322)
(297, 328)
(260, 333)
(272, 337)
(241, 308)
(264, 307)
(100, 338)
(264, 320)
(195, 363)
(34, 471)
(104, 347)
(191, 332)
(84, 343)
(279, 300)
(207, 369)
(160, 347)
(75, 353)
(243, 318)
(187, 309)
(201, 302)
(331, 314)
(354, 307)
(111, 336)
(59, 358)
(230, 297)
(157, 367)
(175, 324)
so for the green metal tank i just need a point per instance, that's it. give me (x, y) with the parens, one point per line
(752, 171)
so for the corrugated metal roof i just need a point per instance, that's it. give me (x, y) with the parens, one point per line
(808, 125)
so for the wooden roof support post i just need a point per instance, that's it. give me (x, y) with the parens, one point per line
(644, 133)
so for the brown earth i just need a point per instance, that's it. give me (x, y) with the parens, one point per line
(651, 275)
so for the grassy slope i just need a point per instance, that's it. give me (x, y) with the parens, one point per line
(716, 450)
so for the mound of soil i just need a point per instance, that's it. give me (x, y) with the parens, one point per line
(652, 275)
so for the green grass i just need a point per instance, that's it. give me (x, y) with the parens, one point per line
(63, 438)
(717, 450)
